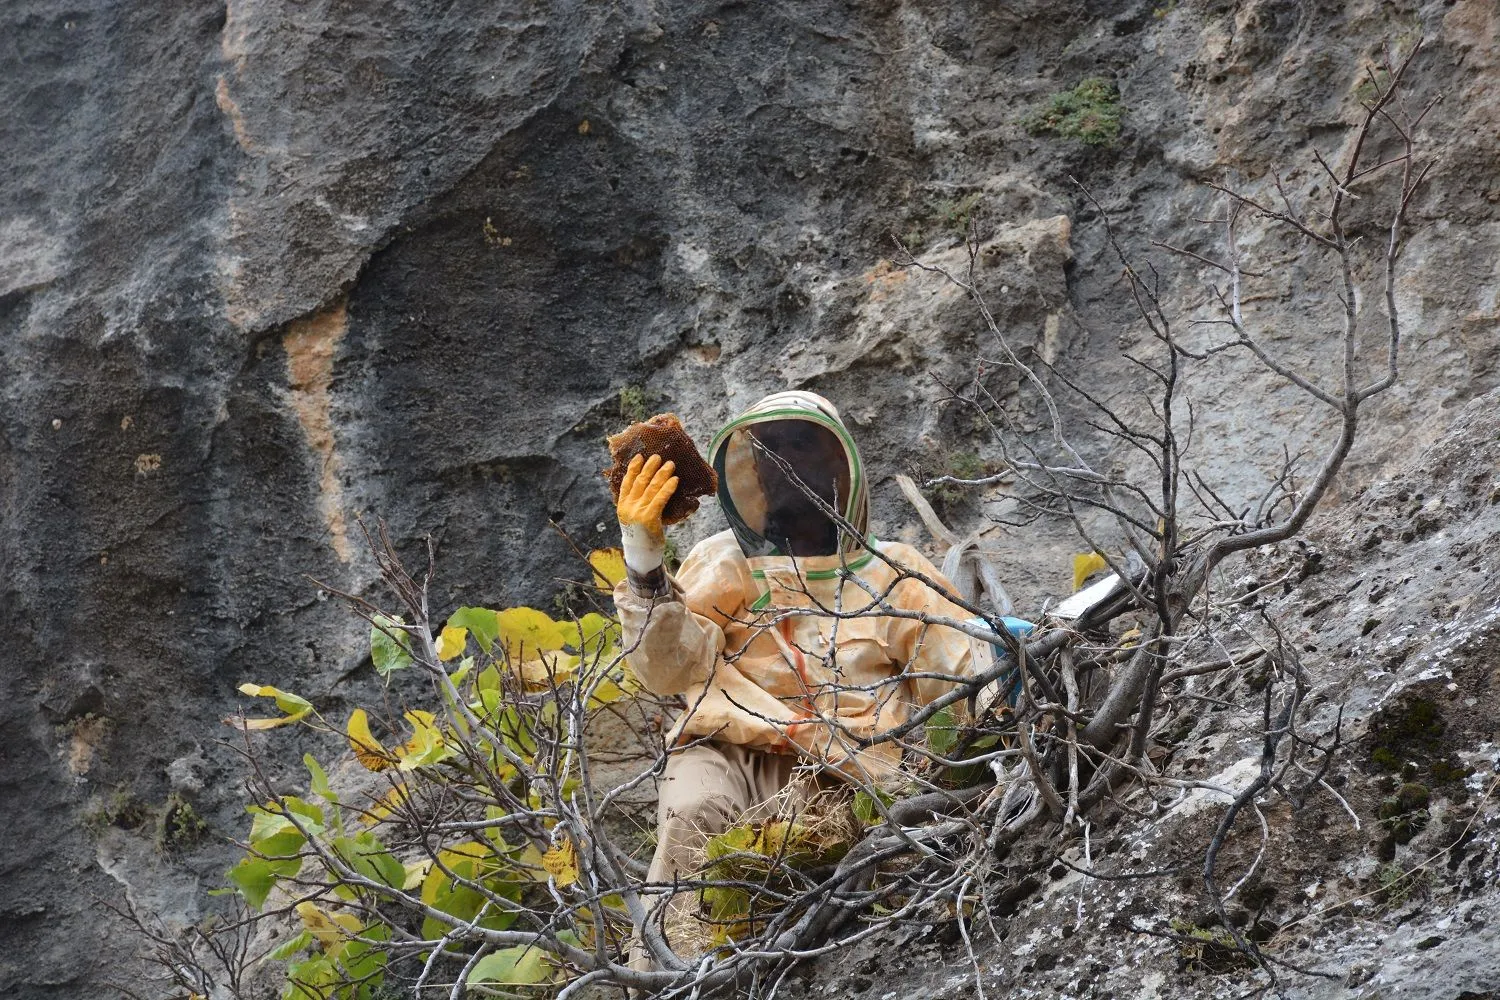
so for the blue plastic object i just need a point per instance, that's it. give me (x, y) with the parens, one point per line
(1019, 628)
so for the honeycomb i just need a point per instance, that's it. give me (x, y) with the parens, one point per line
(663, 435)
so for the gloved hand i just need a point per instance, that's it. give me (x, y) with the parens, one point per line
(644, 493)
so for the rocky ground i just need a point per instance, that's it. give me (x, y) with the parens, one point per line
(268, 266)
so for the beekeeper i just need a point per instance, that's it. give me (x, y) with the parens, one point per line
(766, 691)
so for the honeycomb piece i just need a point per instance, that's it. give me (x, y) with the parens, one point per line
(663, 435)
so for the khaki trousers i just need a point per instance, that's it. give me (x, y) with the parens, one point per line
(706, 789)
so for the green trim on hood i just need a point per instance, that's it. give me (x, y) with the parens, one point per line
(857, 563)
(856, 469)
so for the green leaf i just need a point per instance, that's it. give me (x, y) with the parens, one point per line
(521, 965)
(473, 862)
(597, 636)
(495, 834)
(732, 841)
(864, 806)
(290, 947)
(368, 856)
(465, 667)
(480, 622)
(319, 777)
(488, 704)
(390, 646)
(271, 820)
(727, 908)
(968, 775)
(267, 823)
(360, 961)
(255, 876)
(281, 849)
(309, 812)
(306, 980)
(942, 732)
(516, 730)
(255, 879)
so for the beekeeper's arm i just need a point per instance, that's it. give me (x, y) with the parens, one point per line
(925, 648)
(668, 646)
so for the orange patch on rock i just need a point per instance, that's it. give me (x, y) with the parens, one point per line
(232, 111)
(882, 278)
(310, 345)
(84, 743)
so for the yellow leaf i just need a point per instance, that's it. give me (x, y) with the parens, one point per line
(609, 567)
(333, 931)
(426, 745)
(530, 630)
(385, 805)
(367, 749)
(420, 719)
(451, 642)
(546, 670)
(773, 838)
(628, 680)
(617, 683)
(296, 707)
(256, 725)
(1085, 564)
(416, 872)
(320, 924)
(611, 689)
(561, 862)
(533, 672)
(529, 861)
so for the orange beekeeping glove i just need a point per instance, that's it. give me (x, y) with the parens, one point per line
(644, 493)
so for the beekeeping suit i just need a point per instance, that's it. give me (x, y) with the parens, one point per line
(772, 632)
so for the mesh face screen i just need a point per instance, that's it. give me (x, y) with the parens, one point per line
(664, 435)
(767, 492)
(765, 458)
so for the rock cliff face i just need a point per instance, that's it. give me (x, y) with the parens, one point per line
(269, 266)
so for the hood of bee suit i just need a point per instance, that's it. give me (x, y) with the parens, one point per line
(768, 457)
